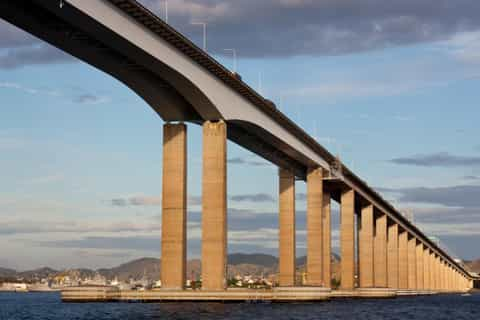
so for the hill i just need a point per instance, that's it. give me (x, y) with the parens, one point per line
(474, 265)
(238, 264)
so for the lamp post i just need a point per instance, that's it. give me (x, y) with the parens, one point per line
(204, 24)
(234, 54)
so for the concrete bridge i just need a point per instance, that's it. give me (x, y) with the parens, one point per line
(183, 84)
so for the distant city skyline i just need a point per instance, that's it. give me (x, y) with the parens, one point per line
(393, 91)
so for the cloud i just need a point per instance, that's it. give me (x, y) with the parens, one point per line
(29, 90)
(465, 47)
(90, 99)
(441, 159)
(122, 243)
(248, 162)
(257, 197)
(149, 201)
(471, 177)
(305, 27)
(34, 55)
(23, 226)
(273, 28)
(456, 196)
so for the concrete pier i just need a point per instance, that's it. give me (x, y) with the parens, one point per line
(278, 294)
(314, 227)
(380, 278)
(174, 206)
(403, 260)
(287, 228)
(347, 239)
(214, 201)
(327, 241)
(392, 256)
(366, 247)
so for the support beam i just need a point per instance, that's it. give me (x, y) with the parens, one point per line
(419, 261)
(174, 206)
(380, 255)
(214, 210)
(314, 227)
(366, 247)
(287, 228)
(347, 239)
(403, 260)
(392, 256)
(327, 240)
(412, 265)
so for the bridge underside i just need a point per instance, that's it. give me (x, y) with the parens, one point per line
(153, 81)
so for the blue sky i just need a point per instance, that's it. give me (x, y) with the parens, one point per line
(81, 154)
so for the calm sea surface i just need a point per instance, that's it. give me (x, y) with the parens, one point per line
(48, 306)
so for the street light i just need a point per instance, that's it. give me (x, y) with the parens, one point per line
(204, 33)
(234, 54)
(166, 10)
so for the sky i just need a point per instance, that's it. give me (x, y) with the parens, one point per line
(392, 87)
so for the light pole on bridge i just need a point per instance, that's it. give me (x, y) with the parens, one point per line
(204, 24)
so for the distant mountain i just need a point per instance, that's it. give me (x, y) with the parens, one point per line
(7, 273)
(474, 265)
(238, 264)
(40, 273)
(264, 260)
(136, 269)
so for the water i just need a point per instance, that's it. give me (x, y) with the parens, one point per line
(45, 306)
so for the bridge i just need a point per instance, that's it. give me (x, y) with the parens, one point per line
(183, 84)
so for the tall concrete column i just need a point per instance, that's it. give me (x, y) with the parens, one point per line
(287, 228)
(392, 256)
(366, 247)
(214, 209)
(174, 206)
(449, 278)
(314, 227)
(327, 241)
(442, 275)
(380, 255)
(419, 261)
(403, 260)
(412, 265)
(347, 239)
(437, 273)
(426, 269)
(433, 281)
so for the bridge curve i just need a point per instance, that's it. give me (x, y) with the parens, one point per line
(183, 83)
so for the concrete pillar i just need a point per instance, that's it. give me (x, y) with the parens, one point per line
(426, 265)
(444, 282)
(392, 256)
(419, 261)
(433, 281)
(287, 228)
(403, 260)
(449, 278)
(314, 227)
(412, 265)
(380, 255)
(214, 210)
(174, 206)
(327, 241)
(366, 247)
(347, 239)
(437, 273)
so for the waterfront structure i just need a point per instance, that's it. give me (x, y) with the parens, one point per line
(183, 84)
